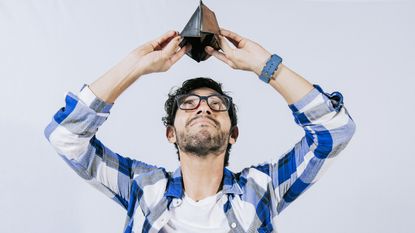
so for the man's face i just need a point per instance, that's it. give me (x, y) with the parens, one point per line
(201, 131)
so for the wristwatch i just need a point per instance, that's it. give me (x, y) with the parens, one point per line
(270, 67)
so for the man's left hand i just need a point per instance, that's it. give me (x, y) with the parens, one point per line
(245, 55)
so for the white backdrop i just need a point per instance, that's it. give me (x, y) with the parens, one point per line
(364, 49)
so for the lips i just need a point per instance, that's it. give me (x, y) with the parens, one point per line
(202, 120)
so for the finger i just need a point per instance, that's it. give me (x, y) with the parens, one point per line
(221, 56)
(172, 47)
(232, 36)
(163, 44)
(158, 43)
(224, 44)
(180, 53)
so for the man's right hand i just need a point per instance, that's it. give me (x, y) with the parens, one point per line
(154, 56)
(160, 54)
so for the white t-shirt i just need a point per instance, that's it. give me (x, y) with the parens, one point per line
(204, 216)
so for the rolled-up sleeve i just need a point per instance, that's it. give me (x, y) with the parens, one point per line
(72, 133)
(328, 129)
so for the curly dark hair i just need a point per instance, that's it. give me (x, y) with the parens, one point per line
(187, 86)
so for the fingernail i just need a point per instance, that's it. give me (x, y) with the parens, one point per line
(208, 49)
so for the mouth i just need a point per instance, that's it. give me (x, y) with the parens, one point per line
(203, 121)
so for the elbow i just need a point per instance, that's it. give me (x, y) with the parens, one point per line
(329, 143)
(66, 143)
(342, 137)
(48, 130)
(347, 131)
(350, 129)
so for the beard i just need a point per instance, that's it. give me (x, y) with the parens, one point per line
(202, 142)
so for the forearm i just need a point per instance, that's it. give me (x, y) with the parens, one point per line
(155, 56)
(115, 81)
(250, 56)
(289, 84)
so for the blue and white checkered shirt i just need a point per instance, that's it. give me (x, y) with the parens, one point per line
(255, 196)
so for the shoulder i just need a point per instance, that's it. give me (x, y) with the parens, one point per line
(254, 177)
(151, 186)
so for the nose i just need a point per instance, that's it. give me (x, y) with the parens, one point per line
(204, 108)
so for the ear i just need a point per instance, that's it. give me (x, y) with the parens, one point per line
(233, 135)
(171, 134)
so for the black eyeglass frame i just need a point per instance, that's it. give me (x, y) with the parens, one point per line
(227, 98)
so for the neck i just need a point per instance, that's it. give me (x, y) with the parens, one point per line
(202, 176)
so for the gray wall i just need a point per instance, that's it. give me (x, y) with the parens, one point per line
(363, 49)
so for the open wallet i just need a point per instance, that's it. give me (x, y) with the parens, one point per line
(200, 31)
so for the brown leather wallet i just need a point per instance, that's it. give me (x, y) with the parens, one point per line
(201, 30)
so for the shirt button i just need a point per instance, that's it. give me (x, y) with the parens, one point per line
(233, 225)
(177, 202)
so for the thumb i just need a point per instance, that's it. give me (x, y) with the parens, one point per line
(172, 47)
(224, 44)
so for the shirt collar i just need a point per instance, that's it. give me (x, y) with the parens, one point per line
(230, 184)
(175, 184)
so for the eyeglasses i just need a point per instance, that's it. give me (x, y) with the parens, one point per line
(216, 102)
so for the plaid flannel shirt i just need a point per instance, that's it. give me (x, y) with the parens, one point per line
(255, 196)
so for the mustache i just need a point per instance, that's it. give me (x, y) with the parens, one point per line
(203, 116)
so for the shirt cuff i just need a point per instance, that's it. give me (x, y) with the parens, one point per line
(316, 104)
(92, 101)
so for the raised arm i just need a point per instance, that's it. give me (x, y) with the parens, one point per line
(327, 125)
(72, 131)
(250, 56)
(154, 56)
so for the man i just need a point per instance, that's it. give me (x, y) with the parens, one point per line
(202, 195)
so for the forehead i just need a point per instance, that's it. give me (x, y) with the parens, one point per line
(203, 91)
